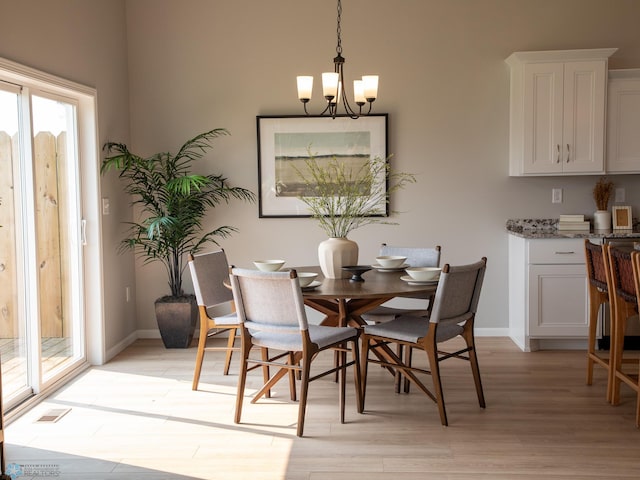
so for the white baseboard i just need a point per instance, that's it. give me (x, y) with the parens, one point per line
(120, 346)
(491, 332)
(152, 333)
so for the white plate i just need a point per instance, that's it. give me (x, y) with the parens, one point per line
(313, 285)
(380, 268)
(411, 281)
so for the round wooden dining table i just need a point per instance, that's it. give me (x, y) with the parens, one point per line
(343, 301)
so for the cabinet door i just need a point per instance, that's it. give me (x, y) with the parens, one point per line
(542, 120)
(584, 113)
(558, 301)
(623, 127)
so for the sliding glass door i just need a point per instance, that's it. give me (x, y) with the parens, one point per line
(41, 282)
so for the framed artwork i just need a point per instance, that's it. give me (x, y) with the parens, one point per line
(285, 143)
(621, 217)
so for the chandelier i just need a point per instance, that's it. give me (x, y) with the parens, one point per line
(364, 90)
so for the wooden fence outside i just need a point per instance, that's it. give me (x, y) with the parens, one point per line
(51, 235)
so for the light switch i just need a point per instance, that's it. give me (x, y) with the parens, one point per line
(106, 206)
(556, 195)
(620, 195)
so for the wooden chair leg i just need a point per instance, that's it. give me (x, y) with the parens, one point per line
(357, 375)
(432, 354)
(364, 363)
(202, 343)
(408, 359)
(342, 355)
(304, 390)
(475, 369)
(398, 375)
(617, 350)
(230, 344)
(594, 308)
(242, 377)
(264, 353)
(292, 377)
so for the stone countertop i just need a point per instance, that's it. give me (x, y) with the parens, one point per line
(547, 228)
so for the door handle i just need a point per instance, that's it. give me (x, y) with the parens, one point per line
(83, 231)
(558, 156)
(568, 153)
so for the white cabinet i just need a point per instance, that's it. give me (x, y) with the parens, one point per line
(623, 121)
(547, 291)
(557, 115)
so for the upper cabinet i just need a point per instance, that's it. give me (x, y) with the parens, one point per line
(623, 121)
(557, 116)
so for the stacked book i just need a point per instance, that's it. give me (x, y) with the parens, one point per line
(573, 222)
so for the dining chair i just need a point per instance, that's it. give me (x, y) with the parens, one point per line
(598, 291)
(209, 272)
(272, 316)
(625, 305)
(452, 315)
(416, 257)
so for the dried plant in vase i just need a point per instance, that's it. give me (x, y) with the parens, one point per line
(602, 192)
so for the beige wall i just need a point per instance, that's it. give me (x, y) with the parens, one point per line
(198, 64)
(201, 64)
(85, 41)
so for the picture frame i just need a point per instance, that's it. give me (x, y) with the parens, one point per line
(284, 141)
(621, 217)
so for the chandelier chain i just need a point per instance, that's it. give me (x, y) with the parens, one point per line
(339, 30)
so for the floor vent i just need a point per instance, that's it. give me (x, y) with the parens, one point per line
(53, 415)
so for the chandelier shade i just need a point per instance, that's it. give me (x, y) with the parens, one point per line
(365, 90)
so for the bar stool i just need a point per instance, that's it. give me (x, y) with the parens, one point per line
(624, 302)
(632, 380)
(598, 296)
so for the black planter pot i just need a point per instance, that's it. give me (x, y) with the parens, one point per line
(177, 317)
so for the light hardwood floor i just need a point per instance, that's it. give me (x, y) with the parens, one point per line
(137, 418)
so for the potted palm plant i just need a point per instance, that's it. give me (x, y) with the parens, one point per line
(173, 202)
(343, 196)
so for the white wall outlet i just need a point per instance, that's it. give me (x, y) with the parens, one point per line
(620, 195)
(556, 195)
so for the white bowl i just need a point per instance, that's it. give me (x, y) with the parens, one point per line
(269, 265)
(390, 261)
(305, 278)
(424, 274)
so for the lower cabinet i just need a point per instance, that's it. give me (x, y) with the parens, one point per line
(548, 302)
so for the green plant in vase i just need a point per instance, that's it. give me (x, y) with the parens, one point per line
(343, 195)
(173, 202)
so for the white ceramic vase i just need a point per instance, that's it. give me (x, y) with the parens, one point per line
(602, 220)
(335, 253)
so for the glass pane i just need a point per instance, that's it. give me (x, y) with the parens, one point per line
(57, 232)
(12, 331)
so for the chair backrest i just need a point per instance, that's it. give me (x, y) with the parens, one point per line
(209, 271)
(269, 301)
(416, 256)
(596, 266)
(621, 271)
(635, 263)
(458, 292)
